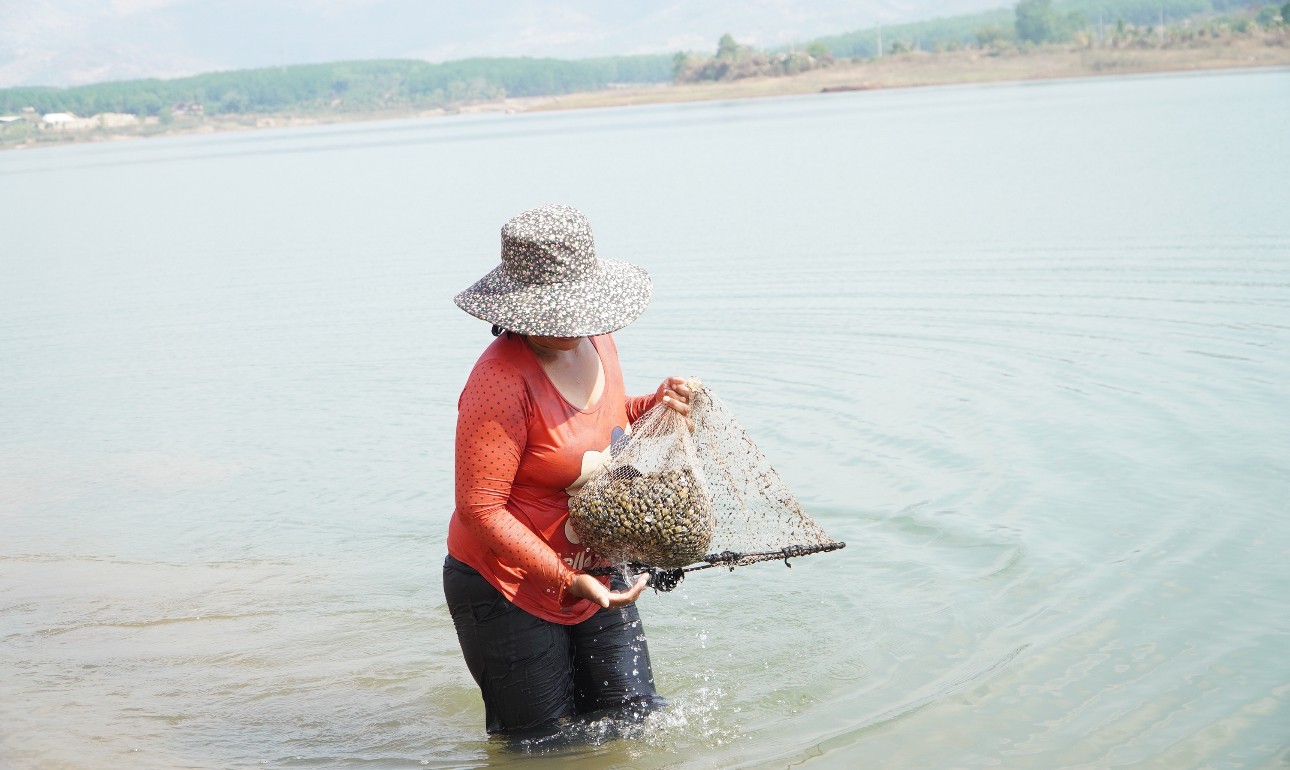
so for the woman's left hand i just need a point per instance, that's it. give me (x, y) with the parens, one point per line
(676, 396)
(588, 587)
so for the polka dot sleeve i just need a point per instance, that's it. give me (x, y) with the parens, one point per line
(492, 430)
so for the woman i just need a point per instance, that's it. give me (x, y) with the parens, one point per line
(544, 640)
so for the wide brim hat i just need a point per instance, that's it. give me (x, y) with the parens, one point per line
(551, 283)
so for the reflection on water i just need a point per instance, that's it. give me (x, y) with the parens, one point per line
(1022, 347)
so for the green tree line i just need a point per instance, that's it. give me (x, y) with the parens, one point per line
(1028, 21)
(927, 35)
(1044, 21)
(345, 86)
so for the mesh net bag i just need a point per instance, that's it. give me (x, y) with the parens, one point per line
(675, 499)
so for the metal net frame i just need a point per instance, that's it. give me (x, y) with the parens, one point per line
(666, 579)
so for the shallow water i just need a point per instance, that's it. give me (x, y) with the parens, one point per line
(1023, 347)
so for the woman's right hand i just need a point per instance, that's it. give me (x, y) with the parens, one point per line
(587, 587)
(675, 394)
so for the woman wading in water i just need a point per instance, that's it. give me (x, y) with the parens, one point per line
(544, 640)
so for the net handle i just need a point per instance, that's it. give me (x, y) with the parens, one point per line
(667, 579)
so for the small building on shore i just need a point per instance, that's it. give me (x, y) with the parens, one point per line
(66, 121)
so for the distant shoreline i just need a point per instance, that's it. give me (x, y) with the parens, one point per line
(916, 69)
(905, 70)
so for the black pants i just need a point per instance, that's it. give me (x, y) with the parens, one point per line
(534, 673)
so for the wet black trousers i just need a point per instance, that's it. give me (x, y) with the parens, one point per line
(533, 673)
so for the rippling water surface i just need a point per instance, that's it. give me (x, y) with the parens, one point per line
(1024, 347)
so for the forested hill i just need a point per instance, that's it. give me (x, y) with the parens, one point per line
(999, 23)
(345, 86)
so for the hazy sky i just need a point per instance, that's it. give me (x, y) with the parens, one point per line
(68, 42)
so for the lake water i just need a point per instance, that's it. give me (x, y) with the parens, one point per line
(1024, 347)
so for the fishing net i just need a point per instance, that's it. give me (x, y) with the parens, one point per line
(673, 500)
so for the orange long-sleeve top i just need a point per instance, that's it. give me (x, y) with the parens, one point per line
(521, 448)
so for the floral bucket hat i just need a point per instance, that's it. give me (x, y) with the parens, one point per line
(552, 284)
